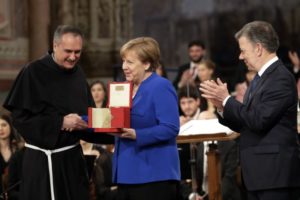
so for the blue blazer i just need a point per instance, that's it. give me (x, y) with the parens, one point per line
(153, 156)
(269, 147)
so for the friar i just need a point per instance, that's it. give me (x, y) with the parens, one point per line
(47, 100)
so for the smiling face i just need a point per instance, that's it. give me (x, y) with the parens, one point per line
(67, 50)
(134, 69)
(249, 53)
(196, 53)
(4, 129)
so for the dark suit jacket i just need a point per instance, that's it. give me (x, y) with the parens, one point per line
(181, 69)
(269, 148)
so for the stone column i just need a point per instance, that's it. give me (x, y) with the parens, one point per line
(66, 8)
(39, 20)
(117, 21)
(123, 22)
(94, 20)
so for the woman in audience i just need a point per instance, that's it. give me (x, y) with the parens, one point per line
(98, 158)
(9, 144)
(206, 70)
(99, 93)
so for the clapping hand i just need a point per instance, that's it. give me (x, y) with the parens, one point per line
(186, 78)
(294, 58)
(214, 91)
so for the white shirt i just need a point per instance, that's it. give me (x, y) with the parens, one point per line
(260, 73)
(194, 69)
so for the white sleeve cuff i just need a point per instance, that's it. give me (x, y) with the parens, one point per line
(225, 100)
(296, 69)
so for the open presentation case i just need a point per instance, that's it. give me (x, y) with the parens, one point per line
(117, 114)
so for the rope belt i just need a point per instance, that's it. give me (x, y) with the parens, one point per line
(48, 154)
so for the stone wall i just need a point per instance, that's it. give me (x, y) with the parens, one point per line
(26, 28)
(173, 23)
(14, 44)
(106, 24)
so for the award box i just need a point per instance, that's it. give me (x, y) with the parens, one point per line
(117, 114)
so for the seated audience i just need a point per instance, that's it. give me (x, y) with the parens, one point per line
(190, 105)
(294, 58)
(10, 142)
(249, 76)
(98, 157)
(240, 90)
(206, 71)
(15, 174)
(99, 164)
(189, 100)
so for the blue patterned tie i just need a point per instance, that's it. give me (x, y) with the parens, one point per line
(253, 85)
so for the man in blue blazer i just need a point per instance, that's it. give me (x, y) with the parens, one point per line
(266, 120)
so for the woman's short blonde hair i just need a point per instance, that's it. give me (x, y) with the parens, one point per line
(146, 48)
(208, 64)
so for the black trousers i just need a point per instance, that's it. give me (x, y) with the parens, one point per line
(275, 194)
(163, 190)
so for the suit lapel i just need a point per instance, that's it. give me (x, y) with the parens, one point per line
(257, 88)
(246, 96)
(260, 83)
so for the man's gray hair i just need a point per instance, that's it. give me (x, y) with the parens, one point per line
(64, 29)
(260, 32)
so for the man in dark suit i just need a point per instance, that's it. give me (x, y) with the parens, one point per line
(188, 72)
(266, 120)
